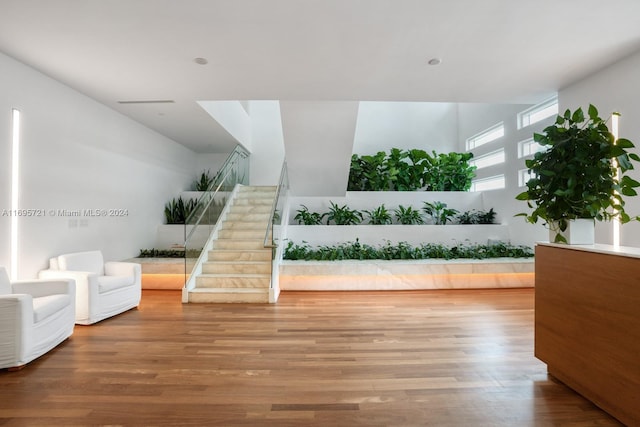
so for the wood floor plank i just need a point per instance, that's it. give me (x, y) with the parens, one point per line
(410, 358)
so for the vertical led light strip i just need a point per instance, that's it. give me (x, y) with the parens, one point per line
(616, 222)
(15, 166)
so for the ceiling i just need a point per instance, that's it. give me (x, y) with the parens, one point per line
(495, 51)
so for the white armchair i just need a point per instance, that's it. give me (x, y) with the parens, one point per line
(35, 316)
(102, 289)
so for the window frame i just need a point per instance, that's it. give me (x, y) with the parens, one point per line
(489, 179)
(476, 140)
(524, 117)
(475, 160)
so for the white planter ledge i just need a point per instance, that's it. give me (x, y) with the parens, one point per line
(355, 275)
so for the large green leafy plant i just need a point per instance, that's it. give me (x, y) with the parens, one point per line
(575, 177)
(449, 172)
(411, 170)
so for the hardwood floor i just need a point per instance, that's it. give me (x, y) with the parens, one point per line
(438, 358)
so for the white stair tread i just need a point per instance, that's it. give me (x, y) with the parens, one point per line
(236, 275)
(230, 290)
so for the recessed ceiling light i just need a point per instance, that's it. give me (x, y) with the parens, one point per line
(201, 61)
(435, 61)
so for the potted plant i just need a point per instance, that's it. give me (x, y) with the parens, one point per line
(439, 213)
(580, 176)
(408, 215)
(306, 217)
(379, 216)
(342, 215)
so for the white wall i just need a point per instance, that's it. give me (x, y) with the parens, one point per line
(79, 154)
(267, 152)
(474, 118)
(318, 141)
(613, 89)
(233, 117)
(406, 125)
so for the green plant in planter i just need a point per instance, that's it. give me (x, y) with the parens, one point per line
(204, 182)
(468, 217)
(575, 177)
(487, 217)
(176, 211)
(477, 217)
(408, 216)
(439, 213)
(342, 215)
(402, 251)
(410, 170)
(449, 172)
(306, 217)
(372, 175)
(379, 216)
(357, 179)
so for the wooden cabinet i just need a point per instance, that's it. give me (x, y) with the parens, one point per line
(587, 323)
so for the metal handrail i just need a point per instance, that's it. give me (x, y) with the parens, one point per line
(274, 205)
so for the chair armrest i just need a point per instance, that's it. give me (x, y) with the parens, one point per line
(86, 282)
(81, 277)
(16, 323)
(15, 308)
(118, 268)
(43, 287)
(86, 289)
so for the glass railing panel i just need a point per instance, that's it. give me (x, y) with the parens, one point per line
(203, 218)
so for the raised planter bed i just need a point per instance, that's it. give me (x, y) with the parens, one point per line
(406, 275)
(162, 273)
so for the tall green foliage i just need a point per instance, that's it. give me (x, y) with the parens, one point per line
(204, 181)
(176, 211)
(450, 172)
(411, 170)
(575, 177)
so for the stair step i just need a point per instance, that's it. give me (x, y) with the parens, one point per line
(254, 201)
(248, 217)
(242, 234)
(238, 244)
(248, 209)
(234, 267)
(256, 188)
(233, 281)
(244, 225)
(209, 295)
(239, 255)
(256, 195)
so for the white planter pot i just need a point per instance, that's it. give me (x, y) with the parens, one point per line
(578, 232)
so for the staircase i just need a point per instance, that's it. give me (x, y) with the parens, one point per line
(238, 268)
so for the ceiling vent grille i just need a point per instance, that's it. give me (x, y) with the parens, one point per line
(150, 101)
